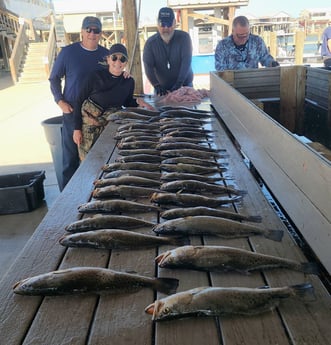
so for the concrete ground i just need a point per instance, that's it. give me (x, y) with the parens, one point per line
(24, 148)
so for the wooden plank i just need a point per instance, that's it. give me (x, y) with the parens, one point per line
(301, 184)
(298, 329)
(43, 253)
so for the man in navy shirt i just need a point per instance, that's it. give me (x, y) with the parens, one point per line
(326, 46)
(73, 64)
(167, 55)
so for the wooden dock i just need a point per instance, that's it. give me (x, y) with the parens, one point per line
(120, 319)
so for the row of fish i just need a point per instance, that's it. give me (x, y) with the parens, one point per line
(168, 162)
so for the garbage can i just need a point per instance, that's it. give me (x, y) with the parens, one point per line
(53, 130)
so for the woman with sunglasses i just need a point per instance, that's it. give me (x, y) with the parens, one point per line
(103, 93)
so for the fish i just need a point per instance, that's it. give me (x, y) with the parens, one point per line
(127, 115)
(131, 166)
(189, 134)
(141, 137)
(223, 301)
(186, 145)
(208, 211)
(115, 206)
(224, 259)
(168, 139)
(190, 200)
(187, 120)
(148, 174)
(192, 186)
(90, 280)
(191, 153)
(128, 181)
(131, 152)
(171, 126)
(139, 158)
(106, 222)
(215, 226)
(137, 125)
(188, 128)
(190, 160)
(137, 133)
(173, 176)
(144, 111)
(118, 239)
(185, 113)
(123, 191)
(137, 145)
(191, 168)
(182, 107)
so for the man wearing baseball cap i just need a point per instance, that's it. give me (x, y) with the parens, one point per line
(73, 65)
(167, 55)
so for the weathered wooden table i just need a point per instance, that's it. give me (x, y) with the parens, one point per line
(120, 319)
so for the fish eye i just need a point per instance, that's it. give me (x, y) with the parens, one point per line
(166, 310)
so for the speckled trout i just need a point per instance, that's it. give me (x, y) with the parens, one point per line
(115, 206)
(118, 239)
(223, 259)
(106, 222)
(218, 301)
(179, 212)
(215, 226)
(90, 280)
(127, 180)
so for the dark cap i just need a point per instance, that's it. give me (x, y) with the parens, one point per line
(89, 22)
(118, 48)
(166, 16)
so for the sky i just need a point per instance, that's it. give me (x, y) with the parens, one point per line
(149, 10)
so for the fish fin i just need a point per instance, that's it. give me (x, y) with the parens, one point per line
(304, 291)
(275, 235)
(150, 309)
(167, 286)
(255, 219)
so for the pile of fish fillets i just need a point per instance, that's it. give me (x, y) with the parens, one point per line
(167, 164)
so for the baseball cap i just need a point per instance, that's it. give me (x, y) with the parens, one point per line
(166, 16)
(118, 48)
(91, 22)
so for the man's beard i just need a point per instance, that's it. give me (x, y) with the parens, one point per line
(167, 36)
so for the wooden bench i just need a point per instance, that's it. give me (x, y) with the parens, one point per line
(120, 319)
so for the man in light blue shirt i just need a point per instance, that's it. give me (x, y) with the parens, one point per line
(242, 50)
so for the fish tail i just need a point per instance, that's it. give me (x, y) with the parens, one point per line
(310, 268)
(154, 119)
(255, 219)
(167, 286)
(304, 291)
(275, 235)
(180, 241)
(240, 192)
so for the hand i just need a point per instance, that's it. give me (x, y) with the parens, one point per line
(144, 104)
(65, 107)
(77, 137)
(126, 75)
(176, 87)
(161, 91)
(274, 63)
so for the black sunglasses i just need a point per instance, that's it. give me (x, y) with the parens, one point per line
(115, 58)
(95, 31)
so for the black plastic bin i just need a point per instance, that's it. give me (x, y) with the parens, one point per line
(53, 133)
(21, 192)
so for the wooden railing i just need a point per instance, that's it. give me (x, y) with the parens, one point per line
(18, 52)
(50, 50)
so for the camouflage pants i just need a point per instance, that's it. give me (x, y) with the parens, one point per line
(94, 122)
